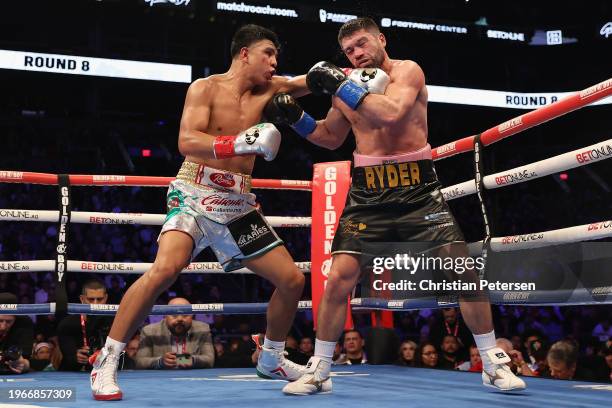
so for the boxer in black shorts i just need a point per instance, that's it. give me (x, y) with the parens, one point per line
(404, 204)
(395, 194)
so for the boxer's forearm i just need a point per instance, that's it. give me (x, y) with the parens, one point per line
(196, 144)
(296, 86)
(323, 137)
(380, 110)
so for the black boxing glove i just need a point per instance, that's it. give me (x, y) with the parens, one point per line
(326, 78)
(283, 108)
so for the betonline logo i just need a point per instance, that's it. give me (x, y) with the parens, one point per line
(505, 35)
(449, 147)
(509, 125)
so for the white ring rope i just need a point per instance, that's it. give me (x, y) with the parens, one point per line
(578, 233)
(83, 217)
(120, 267)
(577, 158)
(586, 232)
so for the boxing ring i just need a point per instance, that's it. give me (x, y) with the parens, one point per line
(375, 385)
(367, 386)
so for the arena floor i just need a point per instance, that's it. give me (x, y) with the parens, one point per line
(369, 386)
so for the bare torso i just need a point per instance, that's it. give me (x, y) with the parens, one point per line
(231, 113)
(407, 134)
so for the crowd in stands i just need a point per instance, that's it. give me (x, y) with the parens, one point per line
(556, 342)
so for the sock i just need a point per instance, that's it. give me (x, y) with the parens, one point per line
(114, 346)
(274, 345)
(325, 349)
(486, 342)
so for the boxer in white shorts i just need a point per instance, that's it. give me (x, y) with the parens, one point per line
(210, 205)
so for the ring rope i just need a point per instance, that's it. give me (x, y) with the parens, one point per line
(492, 135)
(83, 217)
(566, 161)
(578, 233)
(120, 267)
(140, 181)
(528, 120)
(575, 297)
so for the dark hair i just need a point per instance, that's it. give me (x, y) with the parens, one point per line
(450, 335)
(6, 297)
(418, 354)
(351, 331)
(93, 284)
(361, 23)
(249, 34)
(529, 333)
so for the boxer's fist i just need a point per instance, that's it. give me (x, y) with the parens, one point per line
(326, 78)
(283, 108)
(262, 139)
(375, 80)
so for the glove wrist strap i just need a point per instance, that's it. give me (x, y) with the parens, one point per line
(351, 94)
(305, 125)
(223, 147)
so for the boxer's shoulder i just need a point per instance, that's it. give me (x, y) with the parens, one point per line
(204, 85)
(277, 84)
(406, 71)
(279, 80)
(405, 66)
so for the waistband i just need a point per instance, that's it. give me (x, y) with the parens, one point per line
(362, 160)
(201, 175)
(394, 175)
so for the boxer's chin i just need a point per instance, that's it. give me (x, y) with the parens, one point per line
(263, 80)
(371, 64)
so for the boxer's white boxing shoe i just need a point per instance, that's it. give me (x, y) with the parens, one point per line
(316, 380)
(103, 376)
(273, 365)
(502, 378)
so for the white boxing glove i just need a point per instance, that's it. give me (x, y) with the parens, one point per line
(375, 80)
(262, 139)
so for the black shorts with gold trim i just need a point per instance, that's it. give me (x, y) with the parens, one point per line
(397, 202)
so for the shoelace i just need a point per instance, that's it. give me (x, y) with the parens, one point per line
(289, 363)
(109, 369)
(285, 361)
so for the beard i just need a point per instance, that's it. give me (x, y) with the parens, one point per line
(178, 329)
(375, 61)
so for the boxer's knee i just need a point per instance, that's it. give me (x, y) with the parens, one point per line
(340, 284)
(298, 281)
(164, 272)
(294, 282)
